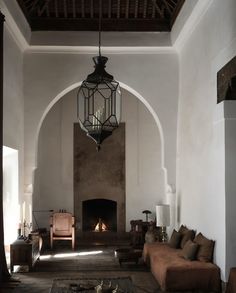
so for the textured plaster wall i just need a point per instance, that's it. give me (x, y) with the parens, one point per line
(99, 175)
(200, 152)
(13, 105)
(144, 177)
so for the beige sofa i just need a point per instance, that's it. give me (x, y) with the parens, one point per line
(174, 272)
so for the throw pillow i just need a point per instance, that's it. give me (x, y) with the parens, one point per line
(183, 229)
(206, 248)
(188, 235)
(190, 250)
(175, 239)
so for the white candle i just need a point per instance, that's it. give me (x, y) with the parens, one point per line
(23, 211)
(30, 213)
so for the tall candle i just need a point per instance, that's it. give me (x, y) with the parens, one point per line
(23, 211)
(30, 213)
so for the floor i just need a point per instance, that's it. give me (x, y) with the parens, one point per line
(94, 261)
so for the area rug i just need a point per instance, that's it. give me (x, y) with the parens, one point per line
(99, 259)
(42, 282)
(91, 285)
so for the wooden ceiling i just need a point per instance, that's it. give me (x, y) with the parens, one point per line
(116, 15)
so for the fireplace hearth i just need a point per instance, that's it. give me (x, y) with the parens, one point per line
(99, 215)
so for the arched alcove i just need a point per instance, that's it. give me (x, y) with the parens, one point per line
(145, 178)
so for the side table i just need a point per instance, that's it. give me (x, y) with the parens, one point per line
(25, 252)
(128, 254)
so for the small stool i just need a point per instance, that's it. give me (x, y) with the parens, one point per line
(128, 255)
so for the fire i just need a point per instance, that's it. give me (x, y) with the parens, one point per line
(100, 227)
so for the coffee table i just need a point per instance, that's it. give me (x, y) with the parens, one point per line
(128, 255)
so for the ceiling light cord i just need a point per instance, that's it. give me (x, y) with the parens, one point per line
(100, 26)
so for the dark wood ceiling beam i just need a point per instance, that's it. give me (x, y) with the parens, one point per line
(32, 6)
(44, 7)
(158, 9)
(65, 8)
(167, 6)
(171, 5)
(136, 9)
(73, 9)
(47, 11)
(153, 9)
(82, 9)
(118, 9)
(91, 9)
(165, 11)
(145, 9)
(70, 24)
(56, 8)
(109, 9)
(127, 9)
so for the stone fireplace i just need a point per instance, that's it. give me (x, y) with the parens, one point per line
(99, 181)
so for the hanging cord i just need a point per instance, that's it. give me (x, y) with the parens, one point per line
(100, 25)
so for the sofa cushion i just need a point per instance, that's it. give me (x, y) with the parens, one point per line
(175, 239)
(187, 234)
(190, 250)
(175, 273)
(206, 248)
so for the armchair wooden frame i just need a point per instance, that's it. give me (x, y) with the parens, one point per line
(62, 227)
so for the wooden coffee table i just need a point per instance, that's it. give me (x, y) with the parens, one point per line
(128, 255)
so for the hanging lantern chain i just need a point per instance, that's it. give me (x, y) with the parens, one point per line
(100, 26)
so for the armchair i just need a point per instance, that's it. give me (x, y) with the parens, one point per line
(62, 227)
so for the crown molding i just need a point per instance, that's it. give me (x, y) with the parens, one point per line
(94, 50)
(12, 27)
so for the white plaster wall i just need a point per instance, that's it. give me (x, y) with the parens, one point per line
(229, 120)
(13, 104)
(11, 211)
(145, 182)
(200, 168)
(153, 76)
(144, 175)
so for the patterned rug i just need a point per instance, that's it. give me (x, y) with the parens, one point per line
(91, 285)
(43, 282)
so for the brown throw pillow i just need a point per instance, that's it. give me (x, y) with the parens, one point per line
(188, 235)
(175, 239)
(190, 250)
(206, 248)
(183, 229)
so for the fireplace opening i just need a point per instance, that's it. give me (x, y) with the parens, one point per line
(99, 215)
